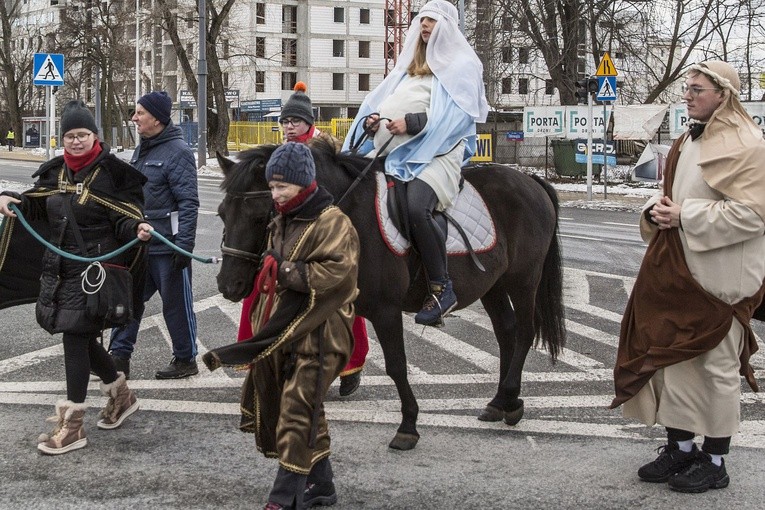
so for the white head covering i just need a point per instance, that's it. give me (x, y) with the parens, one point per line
(450, 57)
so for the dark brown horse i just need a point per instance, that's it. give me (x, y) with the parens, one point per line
(521, 288)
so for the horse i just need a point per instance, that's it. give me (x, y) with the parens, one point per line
(521, 287)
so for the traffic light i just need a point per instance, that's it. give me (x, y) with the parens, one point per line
(585, 87)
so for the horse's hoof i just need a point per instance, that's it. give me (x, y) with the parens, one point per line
(514, 416)
(404, 441)
(491, 413)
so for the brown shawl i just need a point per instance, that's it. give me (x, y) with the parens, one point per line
(655, 331)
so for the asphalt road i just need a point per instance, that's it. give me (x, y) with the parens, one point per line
(182, 450)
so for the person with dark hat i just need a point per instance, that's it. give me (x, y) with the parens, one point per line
(302, 322)
(297, 121)
(90, 203)
(172, 205)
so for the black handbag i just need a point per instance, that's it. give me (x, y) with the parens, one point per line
(109, 301)
(110, 297)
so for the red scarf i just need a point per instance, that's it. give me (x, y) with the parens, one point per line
(305, 136)
(77, 163)
(296, 200)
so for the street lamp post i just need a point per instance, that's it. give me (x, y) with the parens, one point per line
(137, 63)
(202, 85)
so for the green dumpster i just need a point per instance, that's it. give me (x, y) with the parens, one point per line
(564, 159)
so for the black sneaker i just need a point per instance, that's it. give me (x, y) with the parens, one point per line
(671, 460)
(700, 476)
(349, 383)
(319, 494)
(178, 369)
(122, 365)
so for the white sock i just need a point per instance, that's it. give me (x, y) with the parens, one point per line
(685, 446)
(716, 459)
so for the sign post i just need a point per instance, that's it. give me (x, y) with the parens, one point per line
(606, 92)
(48, 71)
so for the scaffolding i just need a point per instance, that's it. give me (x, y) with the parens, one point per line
(397, 19)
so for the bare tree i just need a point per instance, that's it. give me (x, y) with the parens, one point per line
(217, 15)
(93, 35)
(20, 41)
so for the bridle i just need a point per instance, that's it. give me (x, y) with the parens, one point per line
(243, 254)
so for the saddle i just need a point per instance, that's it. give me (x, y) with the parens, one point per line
(470, 229)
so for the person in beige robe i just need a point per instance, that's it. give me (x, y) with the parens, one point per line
(686, 335)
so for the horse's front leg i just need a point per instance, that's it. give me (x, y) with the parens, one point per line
(389, 328)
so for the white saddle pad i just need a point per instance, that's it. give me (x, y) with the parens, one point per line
(469, 210)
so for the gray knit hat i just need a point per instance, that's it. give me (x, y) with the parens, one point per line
(292, 163)
(298, 105)
(159, 104)
(76, 115)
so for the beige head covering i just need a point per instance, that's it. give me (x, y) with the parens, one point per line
(732, 147)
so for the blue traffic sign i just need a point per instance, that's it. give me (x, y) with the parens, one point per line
(48, 69)
(606, 88)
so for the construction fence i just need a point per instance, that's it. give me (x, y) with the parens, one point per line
(499, 142)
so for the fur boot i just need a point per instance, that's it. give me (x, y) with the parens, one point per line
(68, 434)
(122, 403)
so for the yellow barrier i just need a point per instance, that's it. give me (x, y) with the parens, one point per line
(244, 135)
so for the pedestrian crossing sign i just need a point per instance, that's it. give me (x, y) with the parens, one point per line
(606, 88)
(48, 69)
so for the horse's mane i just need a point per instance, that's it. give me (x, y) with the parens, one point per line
(349, 163)
(249, 170)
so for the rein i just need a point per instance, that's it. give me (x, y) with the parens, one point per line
(354, 147)
(125, 247)
(242, 254)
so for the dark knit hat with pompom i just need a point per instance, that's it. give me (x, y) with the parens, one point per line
(298, 105)
(292, 163)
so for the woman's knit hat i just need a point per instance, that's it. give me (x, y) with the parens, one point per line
(159, 104)
(76, 115)
(298, 105)
(292, 163)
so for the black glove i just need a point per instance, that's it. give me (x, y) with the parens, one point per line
(180, 261)
(276, 256)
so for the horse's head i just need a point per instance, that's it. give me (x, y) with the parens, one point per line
(245, 211)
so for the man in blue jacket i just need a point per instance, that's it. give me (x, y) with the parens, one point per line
(171, 207)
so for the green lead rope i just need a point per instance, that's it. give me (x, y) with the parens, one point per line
(154, 233)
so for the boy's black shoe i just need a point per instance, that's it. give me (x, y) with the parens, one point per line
(319, 494)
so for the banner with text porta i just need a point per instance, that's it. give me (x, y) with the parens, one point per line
(678, 117)
(577, 122)
(544, 121)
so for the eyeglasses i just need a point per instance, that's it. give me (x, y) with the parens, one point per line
(80, 137)
(291, 122)
(695, 91)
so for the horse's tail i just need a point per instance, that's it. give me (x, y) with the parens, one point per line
(549, 314)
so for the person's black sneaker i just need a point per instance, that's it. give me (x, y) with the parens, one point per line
(349, 383)
(700, 476)
(319, 494)
(122, 365)
(178, 369)
(671, 460)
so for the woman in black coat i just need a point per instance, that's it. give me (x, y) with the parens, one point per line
(90, 190)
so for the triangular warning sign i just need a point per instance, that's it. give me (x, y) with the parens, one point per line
(48, 71)
(606, 66)
(606, 90)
